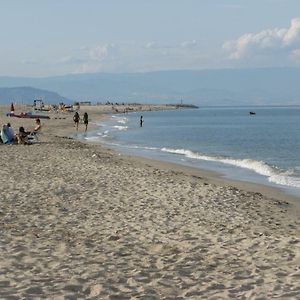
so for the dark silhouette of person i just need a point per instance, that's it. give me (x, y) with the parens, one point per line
(141, 121)
(86, 120)
(76, 119)
(12, 108)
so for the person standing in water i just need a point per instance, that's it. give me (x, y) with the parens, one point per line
(141, 121)
(86, 120)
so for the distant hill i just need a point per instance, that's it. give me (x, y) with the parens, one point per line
(26, 95)
(270, 86)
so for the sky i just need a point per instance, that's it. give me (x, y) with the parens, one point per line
(41, 38)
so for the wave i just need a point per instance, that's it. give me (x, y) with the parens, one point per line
(120, 127)
(91, 138)
(123, 120)
(102, 133)
(273, 174)
(142, 147)
(120, 119)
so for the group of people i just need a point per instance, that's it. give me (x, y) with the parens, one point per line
(8, 137)
(76, 119)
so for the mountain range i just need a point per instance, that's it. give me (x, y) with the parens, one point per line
(26, 95)
(269, 86)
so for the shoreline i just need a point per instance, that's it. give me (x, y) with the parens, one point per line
(80, 220)
(213, 177)
(219, 179)
(216, 177)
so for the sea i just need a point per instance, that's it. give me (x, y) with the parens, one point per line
(260, 148)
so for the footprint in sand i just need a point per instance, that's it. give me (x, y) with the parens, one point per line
(60, 249)
(95, 290)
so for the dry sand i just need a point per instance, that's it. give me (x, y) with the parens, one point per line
(79, 221)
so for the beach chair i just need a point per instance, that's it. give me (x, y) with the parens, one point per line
(35, 135)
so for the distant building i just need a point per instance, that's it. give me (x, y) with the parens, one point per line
(85, 103)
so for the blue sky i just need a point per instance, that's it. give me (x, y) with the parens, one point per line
(56, 37)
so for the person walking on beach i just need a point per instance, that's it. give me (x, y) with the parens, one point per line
(141, 121)
(86, 120)
(76, 119)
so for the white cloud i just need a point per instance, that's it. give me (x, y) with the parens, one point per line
(99, 53)
(296, 54)
(189, 44)
(30, 62)
(95, 59)
(293, 33)
(151, 45)
(87, 68)
(83, 48)
(91, 59)
(70, 60)
(268, 42)
(155, 46)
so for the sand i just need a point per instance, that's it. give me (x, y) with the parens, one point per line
(80, 221)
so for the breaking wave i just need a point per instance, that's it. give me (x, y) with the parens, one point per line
(120, 127)
(273, 174)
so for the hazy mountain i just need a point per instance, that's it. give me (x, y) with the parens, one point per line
(27, 95)
(205, 87)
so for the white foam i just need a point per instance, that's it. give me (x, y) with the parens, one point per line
(273, 174)
(285, 180)
(143, 147)
(120, 127)
(100, 133)
(123, 120)
(91, 138)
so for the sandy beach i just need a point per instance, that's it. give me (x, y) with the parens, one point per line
(80, 221)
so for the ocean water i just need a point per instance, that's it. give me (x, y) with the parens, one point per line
(262, 148)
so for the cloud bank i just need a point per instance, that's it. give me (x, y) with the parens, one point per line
(90, 59)
(276, 41)
(132, 56)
